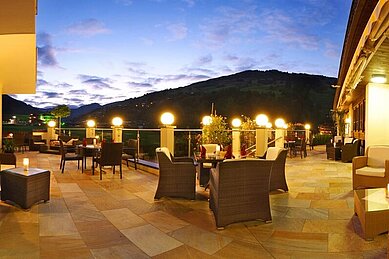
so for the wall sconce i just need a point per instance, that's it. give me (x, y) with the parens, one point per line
(378, 78)
(117, 121)
(207, 120)
(261, 120)
(167, 118)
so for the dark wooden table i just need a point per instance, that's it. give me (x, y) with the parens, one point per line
(205, 171)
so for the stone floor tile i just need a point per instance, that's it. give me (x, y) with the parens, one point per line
(164, 221)
(122, 251)
(123, 218)
(56, 224)
(151, 240)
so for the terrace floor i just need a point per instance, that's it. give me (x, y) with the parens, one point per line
(113, 218)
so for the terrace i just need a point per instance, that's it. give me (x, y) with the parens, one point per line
(113, 217)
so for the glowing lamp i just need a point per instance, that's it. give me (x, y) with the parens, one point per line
(26, 163)
(91, 123)
(261, 120)
(269, 125)
(378, 78)
(348, 120)
(280, 123)
(117, 121)
(207, 120)
(236, 123)
(307, 126)
(51, 124)
(167, 118)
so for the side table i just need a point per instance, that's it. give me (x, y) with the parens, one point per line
(25, 188)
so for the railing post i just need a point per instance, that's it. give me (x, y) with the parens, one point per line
(138, 141)
(189, 142)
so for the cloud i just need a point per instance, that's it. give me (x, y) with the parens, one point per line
(178, 31)
(281, 27)
(190, 3)
(97, 83)
(52, 94)
(46, 50)
(78, 92)
(41, 82)
(89, 27)
(331, 50)
(203, 60)
(147, 41)
(139, 85)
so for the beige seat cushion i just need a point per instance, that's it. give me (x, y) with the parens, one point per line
(272, 153)
(377, 156)
(207, 165)
(371, 171)
(348, 140)
(164, 150)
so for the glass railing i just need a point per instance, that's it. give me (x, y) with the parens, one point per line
(186, 141)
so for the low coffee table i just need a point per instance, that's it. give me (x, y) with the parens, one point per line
(25, 188)
(372, 208)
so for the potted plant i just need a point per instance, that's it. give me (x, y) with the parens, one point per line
(9, 145)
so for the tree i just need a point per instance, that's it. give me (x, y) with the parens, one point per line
(61, 111)
(216, 131)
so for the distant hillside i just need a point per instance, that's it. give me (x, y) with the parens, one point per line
(295, 97)
(86, 109)
(11, 106)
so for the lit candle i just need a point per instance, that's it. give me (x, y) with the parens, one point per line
(26, 162)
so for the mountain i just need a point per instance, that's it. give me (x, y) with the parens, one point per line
(295, 97)
(11, 107)
(86, 109)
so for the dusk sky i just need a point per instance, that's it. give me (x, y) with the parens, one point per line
(110, 50)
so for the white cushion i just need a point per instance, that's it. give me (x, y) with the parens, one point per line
(377, 155)
(371, 171)
(207, 165)
(70, 142)
(164, 150)
(348, 140)
(337, 138)
(211, 149)
(273, 152)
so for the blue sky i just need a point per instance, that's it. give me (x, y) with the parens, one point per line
(110, 50)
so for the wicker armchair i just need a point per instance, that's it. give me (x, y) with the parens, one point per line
(277, 178)
(239, 191)
(350, 150)
(65, 156)
(110, 155)
(177, 177)
(371, 170)
(130, 152)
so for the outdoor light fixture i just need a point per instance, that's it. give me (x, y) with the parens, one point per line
(236, 123)
(378, 78)
(348, 120)
(207, 120)
(269, 125)
(91, 123)
(280, 123)
(167, 118)
(51, 124)
(117, 121)
(261, 120)
(307, 126)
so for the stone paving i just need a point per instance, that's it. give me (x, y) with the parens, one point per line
(113, 218)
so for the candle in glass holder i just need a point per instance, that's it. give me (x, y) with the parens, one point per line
(26, 162)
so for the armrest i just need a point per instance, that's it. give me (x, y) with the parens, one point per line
(359, 162)
(183, 159)
(386, 168)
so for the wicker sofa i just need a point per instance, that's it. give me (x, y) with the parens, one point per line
(239, 191)
(278, 157)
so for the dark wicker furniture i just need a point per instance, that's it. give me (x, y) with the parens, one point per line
(350, 150)
(277, 178)
(130, 152)
(65, 156)
(110, 155)
(239, 191)
(25, 188)
(177, 176)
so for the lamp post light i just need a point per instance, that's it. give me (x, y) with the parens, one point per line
(90, 129)
(261, 135)
(280, 132)
(236, 123)
(50, 131)
(307, 128)
(117, 129)
(167, 131)
(207, 120)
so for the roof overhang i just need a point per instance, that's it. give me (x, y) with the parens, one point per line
(18, 52)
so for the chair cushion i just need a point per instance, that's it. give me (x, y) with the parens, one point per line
(371, 171)
(377, 155)
(70, 142)
(207, 165)
(164, 150)
(348, 140)
(272, 153)
(211, 149)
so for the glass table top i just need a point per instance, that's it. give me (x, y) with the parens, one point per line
(373, 199)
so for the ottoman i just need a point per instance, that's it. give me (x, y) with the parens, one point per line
(25, 188)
